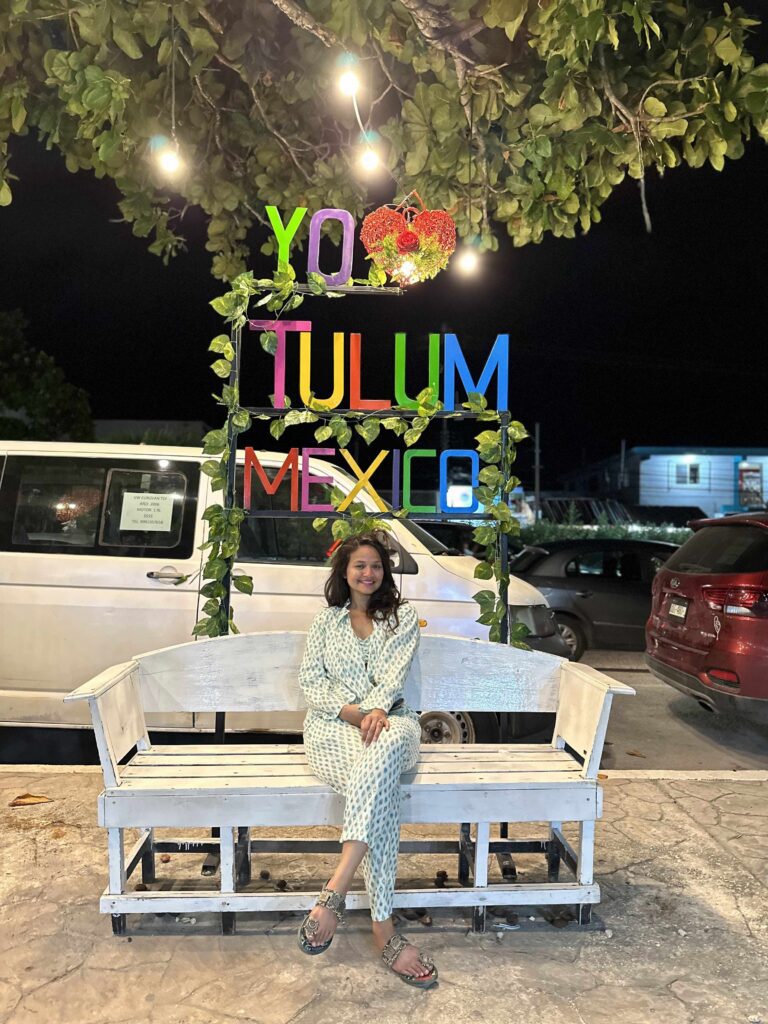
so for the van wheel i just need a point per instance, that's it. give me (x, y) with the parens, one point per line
(459, 727)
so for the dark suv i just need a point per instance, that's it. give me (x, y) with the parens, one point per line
(708, 631)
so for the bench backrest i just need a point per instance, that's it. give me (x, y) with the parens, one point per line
(258, 672)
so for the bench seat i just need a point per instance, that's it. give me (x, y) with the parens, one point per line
(203, 786)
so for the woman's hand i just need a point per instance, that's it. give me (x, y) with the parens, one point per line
(372, 725)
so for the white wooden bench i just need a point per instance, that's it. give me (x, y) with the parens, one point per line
(236, 788)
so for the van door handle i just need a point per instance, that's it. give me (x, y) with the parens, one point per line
(583, 593)
(166, 573)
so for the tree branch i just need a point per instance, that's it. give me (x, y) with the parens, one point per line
(439, 29)
(302, 19)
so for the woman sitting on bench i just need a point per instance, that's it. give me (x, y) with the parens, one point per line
(359, 737)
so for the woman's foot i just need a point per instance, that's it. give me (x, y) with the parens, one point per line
(327, 923)
(319, 926)
(408, 961)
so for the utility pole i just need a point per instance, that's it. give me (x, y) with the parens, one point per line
(537, 471)
(621, 466)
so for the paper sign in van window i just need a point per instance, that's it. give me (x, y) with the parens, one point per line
(142, 511)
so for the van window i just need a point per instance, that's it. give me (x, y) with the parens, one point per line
(282, 538)
(293, 539)
(100, 506)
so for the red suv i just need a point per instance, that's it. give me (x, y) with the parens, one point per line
(708, 631)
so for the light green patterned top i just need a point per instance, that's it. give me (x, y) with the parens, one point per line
(336, 671)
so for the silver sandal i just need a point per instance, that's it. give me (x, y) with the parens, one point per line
(331, 900)
(392, 951)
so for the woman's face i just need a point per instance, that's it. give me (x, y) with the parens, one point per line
(365, 573)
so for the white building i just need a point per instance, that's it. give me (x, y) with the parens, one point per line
(716, 480)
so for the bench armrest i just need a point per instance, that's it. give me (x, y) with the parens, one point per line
(104, 681)
(117, 715)
(582, 715)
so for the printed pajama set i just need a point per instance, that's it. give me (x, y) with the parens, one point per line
(339, 668)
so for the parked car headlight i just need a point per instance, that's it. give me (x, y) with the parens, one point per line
(537, 617)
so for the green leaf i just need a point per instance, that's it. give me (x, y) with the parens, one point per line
(127, 42)
(243, 583)
(277, 428)
(319, 524)
(241, 420)
(654, 107)
(483, 571)
(222, 367)
(317, 283)
(323, 433)
(369, 429)
(222, 344)
(268, 340)
(5, 194)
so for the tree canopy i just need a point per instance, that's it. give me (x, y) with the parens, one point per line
(37, 402)
(514, 115)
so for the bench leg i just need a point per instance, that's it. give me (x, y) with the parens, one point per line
(584, 913)
(116, 854)
(478, 919)
(552, 853)
(482, 839)
(148, 860)
(464, 847)
(243, 857)
(586, 852)
(506, 864)
(228, 875)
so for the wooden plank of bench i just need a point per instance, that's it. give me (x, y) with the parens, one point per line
(193, 750)
(307, 783)
(205, 803)
(273, 771)
(193, 901)
(259, 758)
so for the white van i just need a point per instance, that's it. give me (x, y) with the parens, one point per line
(97, 542)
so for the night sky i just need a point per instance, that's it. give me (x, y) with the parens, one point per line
(655, 339)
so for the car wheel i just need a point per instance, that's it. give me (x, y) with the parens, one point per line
(573, 636)
(483, 727)
(459, 727)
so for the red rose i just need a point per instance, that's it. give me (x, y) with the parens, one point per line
(407, 241)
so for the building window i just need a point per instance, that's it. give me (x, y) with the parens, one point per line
(687, 474)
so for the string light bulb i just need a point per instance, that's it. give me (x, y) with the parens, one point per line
(468, 261)
(369, 160)
(169, 161)
(348, 83)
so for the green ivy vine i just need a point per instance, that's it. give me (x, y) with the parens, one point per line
(281, 294)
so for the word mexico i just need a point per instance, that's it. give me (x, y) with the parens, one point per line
(454, 363)
(297, 463)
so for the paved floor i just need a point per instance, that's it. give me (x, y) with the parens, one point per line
(684, 936)
(662, 729)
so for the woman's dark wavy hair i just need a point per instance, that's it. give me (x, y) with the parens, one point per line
(385, 601)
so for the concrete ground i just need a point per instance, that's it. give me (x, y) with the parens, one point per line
(682, 938)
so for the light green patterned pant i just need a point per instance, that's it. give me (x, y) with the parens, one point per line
(369, 778)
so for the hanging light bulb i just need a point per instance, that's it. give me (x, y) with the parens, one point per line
(169, 161)
(468, 261)
(348, 83)
(368, 161)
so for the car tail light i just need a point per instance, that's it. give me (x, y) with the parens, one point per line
(747, 602)
(722, 677)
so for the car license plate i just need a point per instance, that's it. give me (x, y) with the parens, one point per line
(678, 608)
